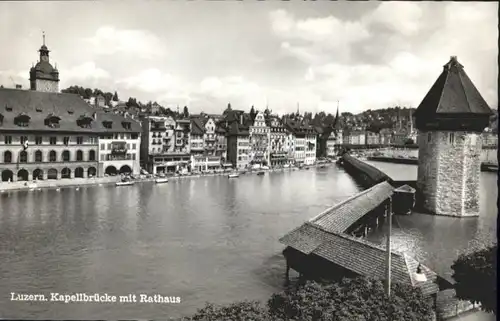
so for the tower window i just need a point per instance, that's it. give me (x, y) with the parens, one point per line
(452, 138)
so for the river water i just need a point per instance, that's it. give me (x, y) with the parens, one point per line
(438, 240)
(202, 239)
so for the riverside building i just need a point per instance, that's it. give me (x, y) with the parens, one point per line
(45, 134)
(165, 144)
(207, 150)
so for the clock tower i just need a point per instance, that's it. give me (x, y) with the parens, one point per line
(44, 77)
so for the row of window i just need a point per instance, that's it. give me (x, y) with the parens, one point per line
(65, 156)
(111, 157)
(52, 140)
(121, 136)
(109, 146)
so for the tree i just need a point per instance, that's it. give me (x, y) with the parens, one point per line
(241, 311)
(351, 299)
(115, 96)
(185, 112)
(253, 113)
(475, 274)
(88, 93)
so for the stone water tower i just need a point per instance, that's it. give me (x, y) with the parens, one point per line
(450, 120)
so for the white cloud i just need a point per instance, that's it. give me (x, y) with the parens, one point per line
(397, 70)
(140, 43)
(406, 19)
(87, 70)
(150, 81)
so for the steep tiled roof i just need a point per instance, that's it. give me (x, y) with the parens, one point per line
(361, 257)
(453, 93)
(197, 126)
(68, 107)
(341, 216)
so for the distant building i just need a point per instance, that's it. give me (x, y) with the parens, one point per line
(304, 141)
(205, 154)
(259, 140)
(238, 138)
(163, 148)
(372, 138)
(450, 120)
(279, 151)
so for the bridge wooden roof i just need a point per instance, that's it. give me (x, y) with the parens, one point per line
(359, 256)
(341, 216)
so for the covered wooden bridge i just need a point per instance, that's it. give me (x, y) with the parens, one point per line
(326, 247)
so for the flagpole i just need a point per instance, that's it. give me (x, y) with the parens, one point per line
(388, 247)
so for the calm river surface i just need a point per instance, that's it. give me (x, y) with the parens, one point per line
(202, 239)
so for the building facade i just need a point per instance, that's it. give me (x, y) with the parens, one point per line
(279, 145)
(238, 139)
(310, 145)
(450, 144)
(259, 140)
(205, 151)
(119, 153)
(162, 147)
(47, 135)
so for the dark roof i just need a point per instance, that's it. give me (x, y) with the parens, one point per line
(341, 216)
(68, 107)
(453, 93)
(197, 126)
(359, 256)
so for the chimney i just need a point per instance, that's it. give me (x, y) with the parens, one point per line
(19, 86)
(241, 119)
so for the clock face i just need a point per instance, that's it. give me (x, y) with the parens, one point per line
(45, 58)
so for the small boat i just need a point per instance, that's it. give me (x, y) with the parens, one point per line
(233, 175)
(125, 182)
(161, 180)
(260, 173)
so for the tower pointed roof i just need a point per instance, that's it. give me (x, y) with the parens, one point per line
(453, 95)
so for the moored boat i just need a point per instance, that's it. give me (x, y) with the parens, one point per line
(233, 175)
(125, 182)
(260, 173)
(161, 180)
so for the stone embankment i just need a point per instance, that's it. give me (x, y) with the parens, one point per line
(76, 182)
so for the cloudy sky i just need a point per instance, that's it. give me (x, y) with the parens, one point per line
(205, 54)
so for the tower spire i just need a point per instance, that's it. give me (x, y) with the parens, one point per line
(43, 36)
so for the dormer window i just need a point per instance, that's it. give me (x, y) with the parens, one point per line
(84, 121)
(126, 124)
(22, 120)
(7, 108)
(70, 112)
(52, 121)
(38, 109)
(107, 124)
